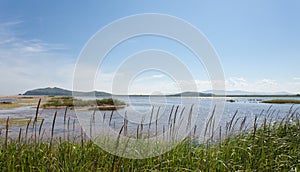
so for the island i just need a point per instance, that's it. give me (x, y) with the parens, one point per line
(70, 102)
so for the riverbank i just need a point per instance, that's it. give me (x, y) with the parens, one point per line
(282, 101)
(11, 102)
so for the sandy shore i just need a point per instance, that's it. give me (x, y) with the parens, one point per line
(11, 97)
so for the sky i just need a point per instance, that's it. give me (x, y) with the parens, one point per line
(257, 42)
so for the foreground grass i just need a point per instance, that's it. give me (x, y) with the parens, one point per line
(282, 101)
(270, 147)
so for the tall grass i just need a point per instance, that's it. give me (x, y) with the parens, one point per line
(270, 145)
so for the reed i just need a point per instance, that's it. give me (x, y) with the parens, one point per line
(110, 118)
(65, 118)
(52, 130)
(6, 132)
(27, 127)
(35, 119)
(40, 129)
(113, 166)
(68, 129)
(20, 135)
(170, 115)
(156, 121)
(74, 125)
(150, 122)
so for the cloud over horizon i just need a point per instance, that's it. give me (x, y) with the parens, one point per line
(30, 63)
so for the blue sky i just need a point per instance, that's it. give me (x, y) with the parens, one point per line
(257, 43)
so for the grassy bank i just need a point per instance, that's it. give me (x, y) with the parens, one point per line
(268, 146)
(21, 101)
(282, 101)
(70, 102)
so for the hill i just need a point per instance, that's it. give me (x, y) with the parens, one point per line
(192, 94)
(245, 93)
(62, 92)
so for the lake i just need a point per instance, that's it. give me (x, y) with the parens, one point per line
(140, 109)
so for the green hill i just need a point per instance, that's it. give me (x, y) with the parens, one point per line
(62, 92)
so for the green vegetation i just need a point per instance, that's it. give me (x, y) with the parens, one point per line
(110, 101)
(282, 101)
(270, 146)
(62, 102)
(59, 101)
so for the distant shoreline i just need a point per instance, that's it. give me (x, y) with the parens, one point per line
(55, 91)
(27, 96)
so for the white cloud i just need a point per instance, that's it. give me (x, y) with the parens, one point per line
(3, 25)
(240, 83)
(31, 63)
(262, 85)
(158, 76)
(236, 83)
(151, 77)
(267, 82)
(296, 78)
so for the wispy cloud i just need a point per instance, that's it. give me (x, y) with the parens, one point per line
(267, 82)
(262, 85)
(236, 82)
(37, 46)
(158, 76)
(29, 63)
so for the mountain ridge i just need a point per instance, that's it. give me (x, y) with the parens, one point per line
(55, 91)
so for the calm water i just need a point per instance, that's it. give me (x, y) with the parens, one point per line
(140, 109)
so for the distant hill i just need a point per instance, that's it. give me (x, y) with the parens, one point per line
(236, 93)
(192, 94)
(62, 92)
(240, 92)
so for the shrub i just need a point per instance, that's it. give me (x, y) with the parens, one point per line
(110, 101)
